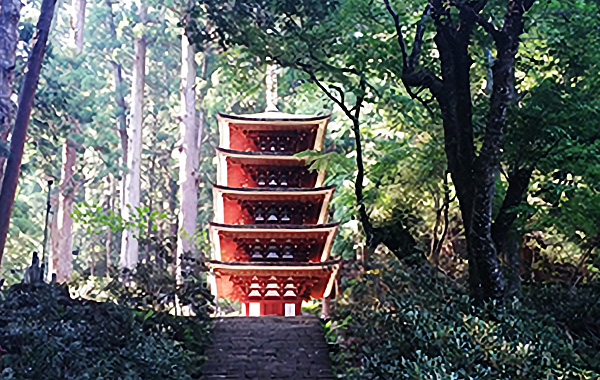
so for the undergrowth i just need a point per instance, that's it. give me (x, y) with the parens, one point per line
(47, 334)
(405, 321)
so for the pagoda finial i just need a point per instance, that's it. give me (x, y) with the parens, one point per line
(271, 84)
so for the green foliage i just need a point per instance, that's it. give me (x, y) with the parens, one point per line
(552, 125)
(96, 220)
(396, 321)
(153, 287)
(48, 335)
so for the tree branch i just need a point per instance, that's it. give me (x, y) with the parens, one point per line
(399, 34)
(472, 11)
(418, 42)
(353, 114)
(411, 78)
(527, 4)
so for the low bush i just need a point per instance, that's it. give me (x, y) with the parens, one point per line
(46, 334)
(405, 321)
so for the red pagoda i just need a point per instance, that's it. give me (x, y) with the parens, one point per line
(270, 233)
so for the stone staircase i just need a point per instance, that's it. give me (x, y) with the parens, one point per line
(268, 347)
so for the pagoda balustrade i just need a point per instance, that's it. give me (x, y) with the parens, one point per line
(272, 140)
(277, 250)
(280, 212)
(269, 176)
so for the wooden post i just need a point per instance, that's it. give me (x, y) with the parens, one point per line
(13, 164)
(46, 220)
(326, 308)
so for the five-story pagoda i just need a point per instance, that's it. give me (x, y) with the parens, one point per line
(270, 233)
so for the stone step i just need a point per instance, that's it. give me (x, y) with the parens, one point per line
(268, 348)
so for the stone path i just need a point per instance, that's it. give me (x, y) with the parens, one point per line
(265, 348)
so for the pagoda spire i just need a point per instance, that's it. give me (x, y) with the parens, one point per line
(271, 87)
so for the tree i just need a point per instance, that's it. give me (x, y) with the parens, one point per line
(456, 48)
(119, 96)
(131, 198)
(34, 65)
(83, 88)
(68, 185)
(473, 172)
(9, 21)
(190, 136)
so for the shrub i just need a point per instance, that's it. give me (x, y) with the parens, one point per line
(405, 321)
(48, 335)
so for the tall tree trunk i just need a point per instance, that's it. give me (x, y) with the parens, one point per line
(109, 207)
(13, 164)
(188, 154)
(456, 106)
(78, 25)
(174, 225)
(9, 21)
(473, 174)
(119, 97)
(66, 193)
(67, 187)
(129, 242)
(488, 162)
(506, 237)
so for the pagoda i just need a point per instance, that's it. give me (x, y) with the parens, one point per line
(270, 233)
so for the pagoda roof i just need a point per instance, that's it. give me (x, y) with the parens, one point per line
(281, 267)
(263, 155)
(321, 194)
(251, 230)
(271, 121)
(237, 157)
(326, 270)
(274, 231)
(274, 192)
(261, 158)
(273, 116)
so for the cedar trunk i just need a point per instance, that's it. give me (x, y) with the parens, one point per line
(119, 97)
(64, 223)
(131, 198)
(188, 156)
(9, 36)
(79, 24)
(67, 187)
(109, 207)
